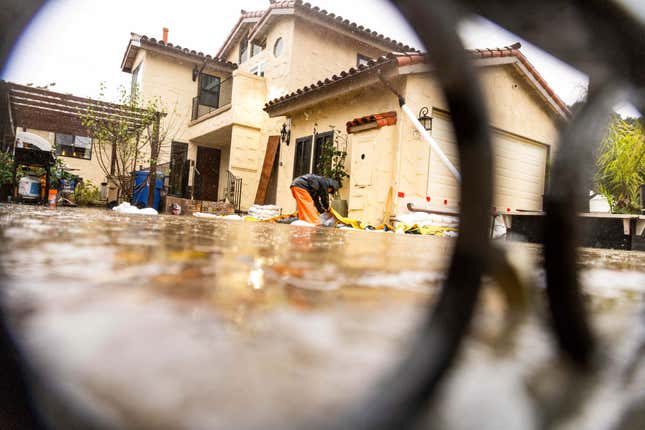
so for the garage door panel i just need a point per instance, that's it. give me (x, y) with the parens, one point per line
(519, 168)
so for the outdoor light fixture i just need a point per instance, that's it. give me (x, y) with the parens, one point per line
(285, 133)
(425, 119)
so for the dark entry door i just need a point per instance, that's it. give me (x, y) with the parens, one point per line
(207, 180)
(178, 170)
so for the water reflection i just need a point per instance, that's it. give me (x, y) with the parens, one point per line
(178, 322)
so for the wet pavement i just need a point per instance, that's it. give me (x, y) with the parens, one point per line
(184, 323)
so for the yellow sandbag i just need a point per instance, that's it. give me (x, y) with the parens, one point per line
(428, 230)
(354, 223)
(280, 217)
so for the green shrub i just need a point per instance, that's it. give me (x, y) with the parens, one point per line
(6, 168)
(86, 193)
(621, 166)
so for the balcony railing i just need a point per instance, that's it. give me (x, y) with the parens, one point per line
(234, 190)
(224, 98)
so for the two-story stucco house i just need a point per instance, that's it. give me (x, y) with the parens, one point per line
(218, 101)
(289, 77)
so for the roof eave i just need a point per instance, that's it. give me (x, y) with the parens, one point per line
(331, 89)
(404, 64)
(264, 22)
(358, 33)
(130, 52)
(233, 36)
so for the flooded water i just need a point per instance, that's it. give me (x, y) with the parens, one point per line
(185, 323)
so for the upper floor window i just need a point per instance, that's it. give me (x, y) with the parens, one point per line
(135, 85)
(257, 47)
(258, 70)
(244, 50)
(362, 60)
(278, 47)
(209, 90)
(68, 145)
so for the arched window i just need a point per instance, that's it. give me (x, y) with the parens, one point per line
(278, 47)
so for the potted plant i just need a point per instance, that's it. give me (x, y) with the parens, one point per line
(331, 164)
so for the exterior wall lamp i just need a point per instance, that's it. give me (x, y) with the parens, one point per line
(425, 119)
(285, 132)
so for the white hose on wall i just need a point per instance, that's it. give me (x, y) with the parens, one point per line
(433, 143)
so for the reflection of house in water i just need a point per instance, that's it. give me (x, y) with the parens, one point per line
(289, 77)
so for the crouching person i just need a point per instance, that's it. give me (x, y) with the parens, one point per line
(312, 196)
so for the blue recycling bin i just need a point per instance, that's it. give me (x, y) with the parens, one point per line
(141, 188)
(68, 185)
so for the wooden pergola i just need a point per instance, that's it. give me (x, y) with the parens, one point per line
(24, 106)
(41, 109)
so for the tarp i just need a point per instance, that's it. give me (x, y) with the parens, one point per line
(25, 138)
(345, 222)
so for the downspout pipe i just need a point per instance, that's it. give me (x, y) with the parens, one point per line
(433, 143)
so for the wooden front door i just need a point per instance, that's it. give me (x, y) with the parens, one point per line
(272, 189)
(207, 174)
(269, 171)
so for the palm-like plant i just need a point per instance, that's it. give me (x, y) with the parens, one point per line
(621, 165)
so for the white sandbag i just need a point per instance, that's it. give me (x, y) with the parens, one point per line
(148, 211)
(233, 217)
(499, 228)
(327, 219)
(426, 219)
(206, 215)
(127, 208)
(263, 212)
(301, 223)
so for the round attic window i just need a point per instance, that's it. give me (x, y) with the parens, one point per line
(278, 47)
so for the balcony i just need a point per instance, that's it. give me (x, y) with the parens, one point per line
(223, 99)
(240, 101)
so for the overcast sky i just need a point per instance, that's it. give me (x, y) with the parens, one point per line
(79, 43)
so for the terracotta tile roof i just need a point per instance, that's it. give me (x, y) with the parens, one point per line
(410, 58)
(251, 14)
(332, 80)
(507, 51)
(309, 10)
(130, 54)
(381, 119)
(235, 35)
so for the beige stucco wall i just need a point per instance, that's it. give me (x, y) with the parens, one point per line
(324, 117)
(373, 163)
(513, 105)
(89, 170)
(320, 53)
(276, 69)
(311, 53)
(241, 132)
(245, 155)
(169, 80)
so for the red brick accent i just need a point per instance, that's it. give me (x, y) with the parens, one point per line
(381, 119)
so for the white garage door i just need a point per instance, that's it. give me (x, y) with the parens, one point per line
(519, 170)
